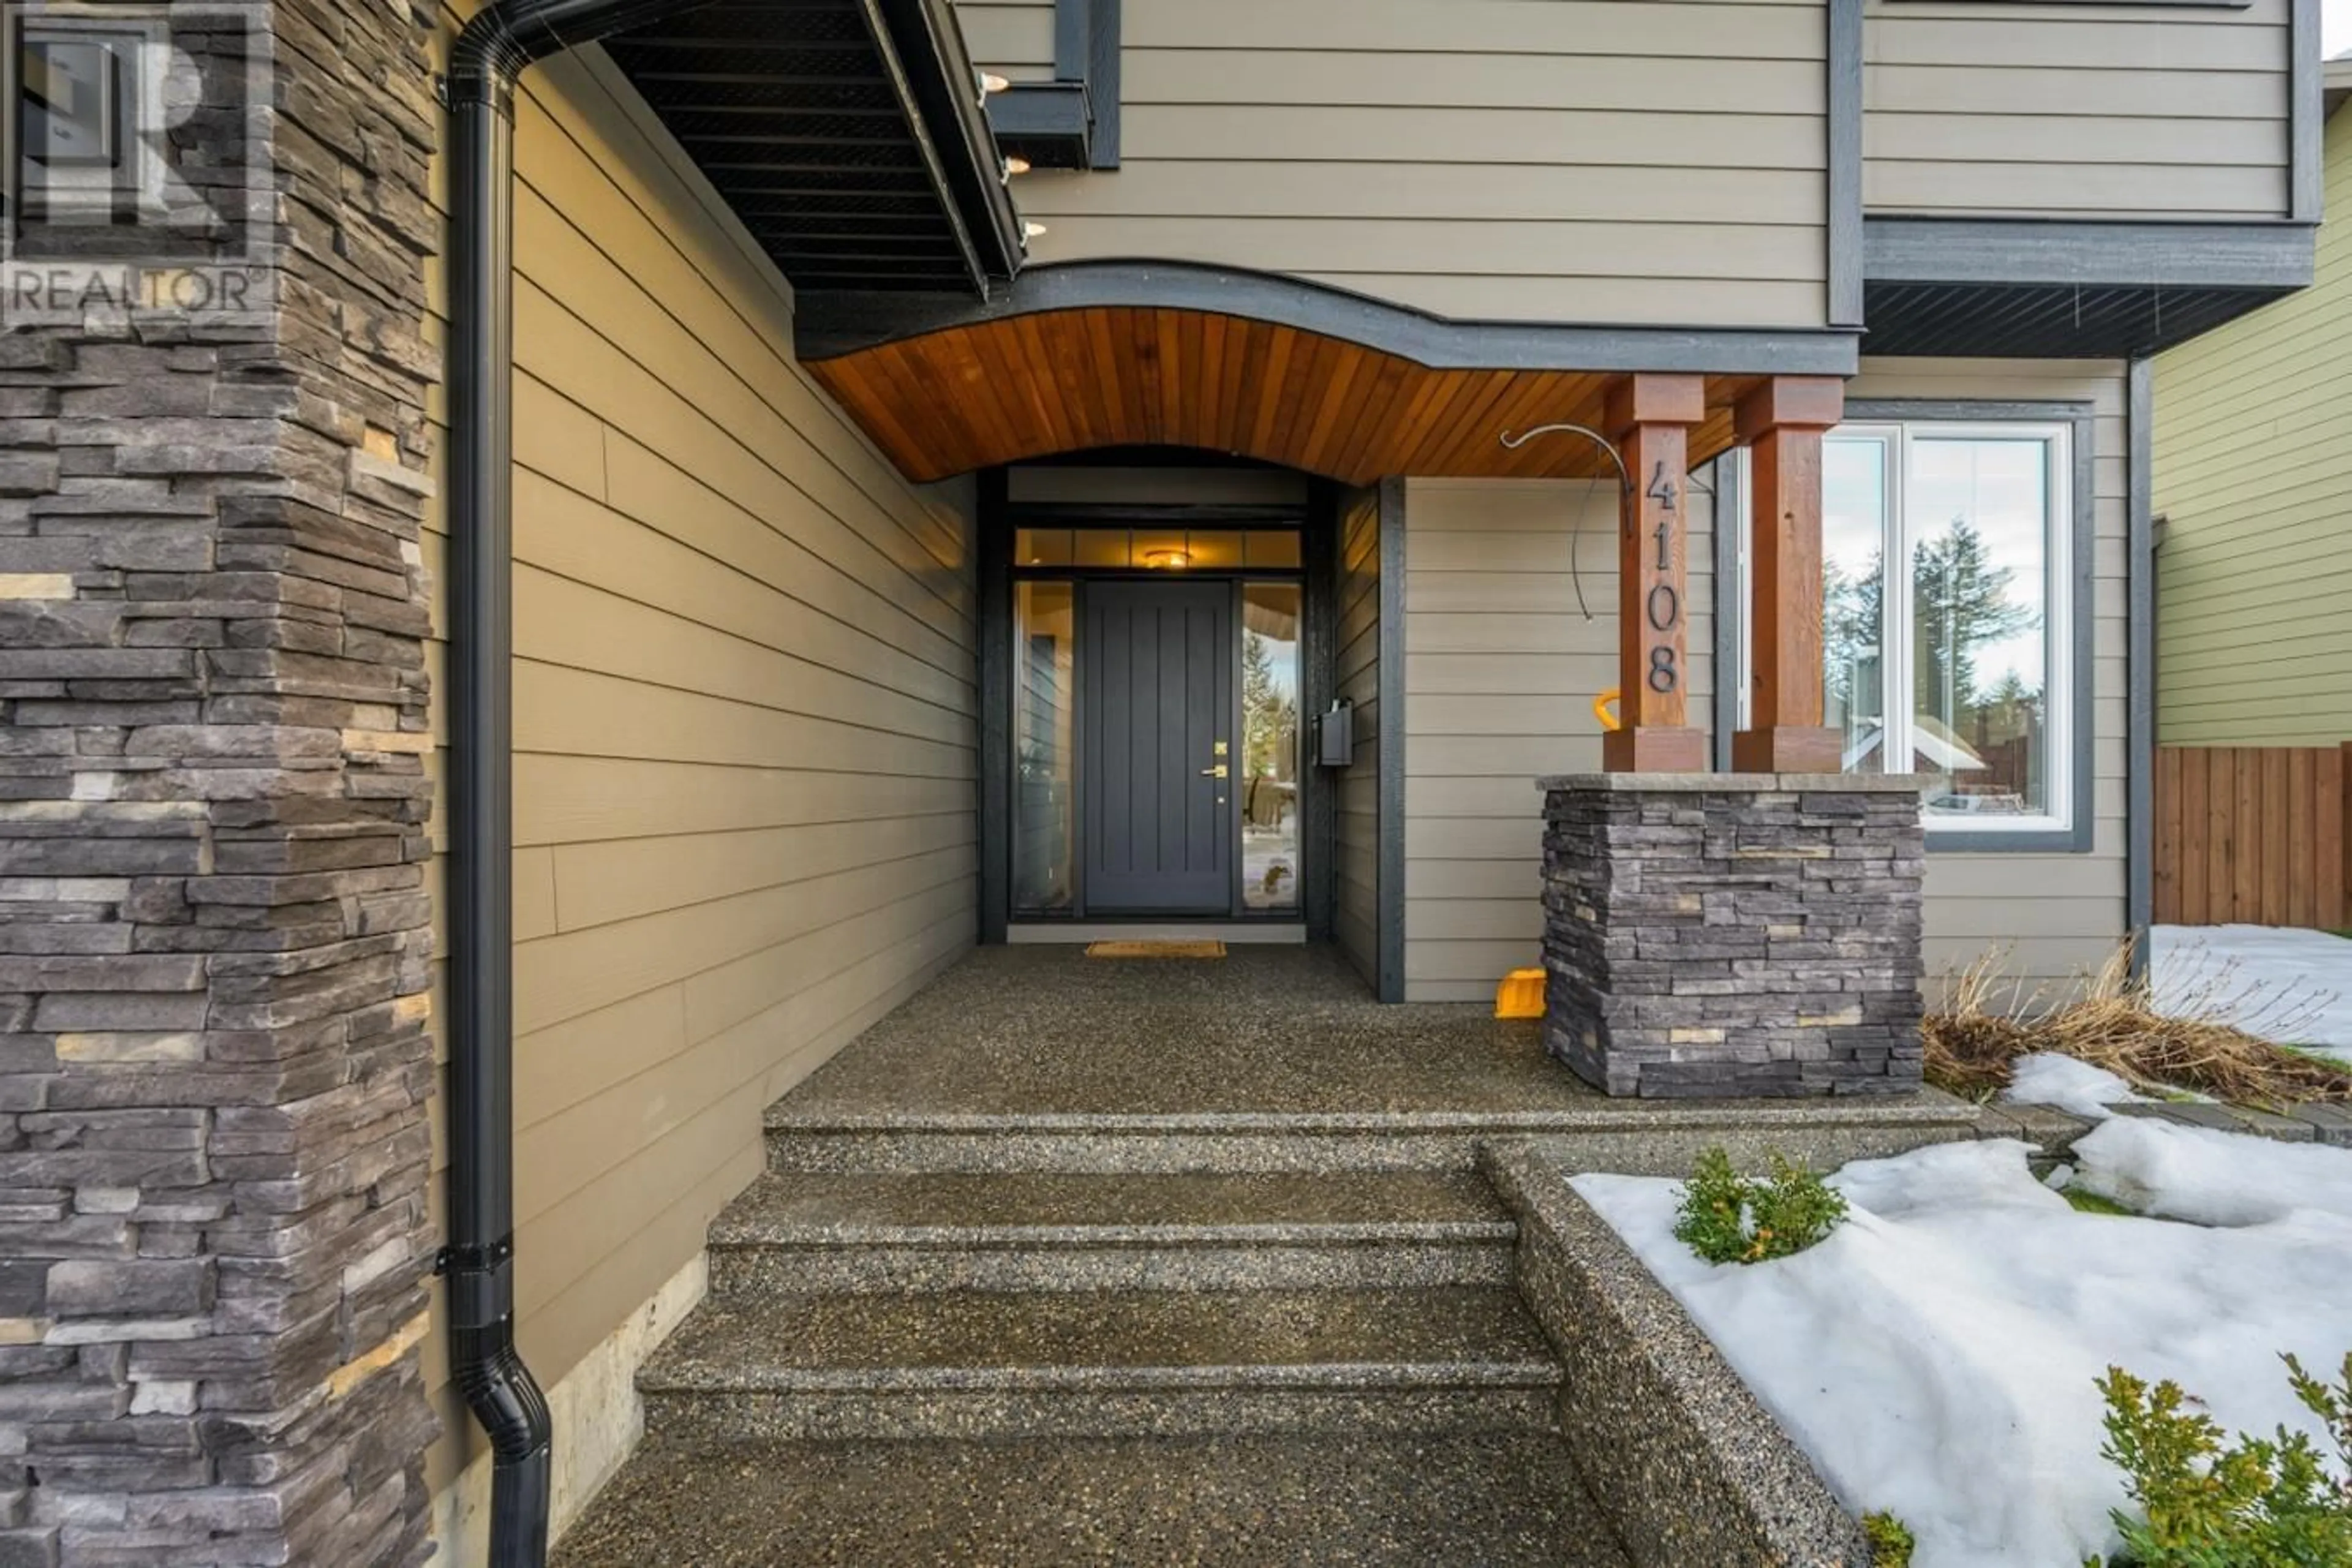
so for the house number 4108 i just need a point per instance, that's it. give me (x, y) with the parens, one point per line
(1664, 608)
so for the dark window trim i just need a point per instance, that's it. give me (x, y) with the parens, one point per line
(2078, 836)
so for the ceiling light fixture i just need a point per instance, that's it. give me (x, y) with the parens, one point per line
(1166, 560)
(1016, 165)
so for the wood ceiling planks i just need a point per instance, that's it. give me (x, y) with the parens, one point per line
(1032, 385)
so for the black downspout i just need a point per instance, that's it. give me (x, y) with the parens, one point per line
(478, 1260)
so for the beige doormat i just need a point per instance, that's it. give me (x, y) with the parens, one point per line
(1155, 950)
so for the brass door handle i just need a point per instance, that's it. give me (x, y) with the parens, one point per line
(1217, 773)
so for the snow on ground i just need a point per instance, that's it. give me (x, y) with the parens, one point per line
(2049, 1078)
(1936, 1355)
(2291, 986)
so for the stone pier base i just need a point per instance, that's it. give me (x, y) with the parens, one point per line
(1733, 935)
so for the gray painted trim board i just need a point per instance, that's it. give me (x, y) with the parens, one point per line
(2026, 251)
(837, 322)
(2140, 763)
(2083, 531)
(2306, 113)
(1845, 223)
(1393, 741)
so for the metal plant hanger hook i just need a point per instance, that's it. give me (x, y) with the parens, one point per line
(1625, 484)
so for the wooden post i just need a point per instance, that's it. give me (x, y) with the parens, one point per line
(1781, 423)
(1650, 419)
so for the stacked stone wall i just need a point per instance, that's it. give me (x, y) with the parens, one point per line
(1734, 935)
(215, 929)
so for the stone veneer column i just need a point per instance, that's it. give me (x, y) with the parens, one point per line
(1733, 933)
(215, 931)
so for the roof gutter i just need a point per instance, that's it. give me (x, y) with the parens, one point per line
(490, 56)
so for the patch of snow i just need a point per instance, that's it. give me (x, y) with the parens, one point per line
(1935, 1355)
(2211, 1177)
(2046, 1078)
(2288, 985)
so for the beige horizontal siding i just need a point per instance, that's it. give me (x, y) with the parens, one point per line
(2106, 111)
(2254, 476)
(1577, 160)
(744, 721)
(1501, 674)
(1357, 904)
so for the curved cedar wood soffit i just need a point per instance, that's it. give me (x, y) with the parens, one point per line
(1097, 355)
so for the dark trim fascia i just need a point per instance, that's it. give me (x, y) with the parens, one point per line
(1845, 223)
(2078, 837)
(1392, 741)
(2306, 113)
(923, 56)
(1319, 679)
(992, 538)
(833, 323)
(1047, 122)
(1087, 51)
(1729, 476)
(2024, 251)
(2140, 764)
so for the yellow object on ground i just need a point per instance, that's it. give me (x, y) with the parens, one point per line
(1521, 994)
(1155, 950)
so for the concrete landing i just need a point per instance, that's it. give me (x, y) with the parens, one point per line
(1032, 1031)
(1496, 1498)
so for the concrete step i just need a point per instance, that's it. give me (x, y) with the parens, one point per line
(1652, 1137)
(1498, 1500)
(806, 1233)
(1120, 1363)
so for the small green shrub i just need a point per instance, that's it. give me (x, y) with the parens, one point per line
(2259, 1503)
(1890, 1539)
(1727, 1217)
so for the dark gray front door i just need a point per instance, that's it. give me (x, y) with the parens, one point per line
(1158, 689)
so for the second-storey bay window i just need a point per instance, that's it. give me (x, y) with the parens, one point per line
(1947, 616)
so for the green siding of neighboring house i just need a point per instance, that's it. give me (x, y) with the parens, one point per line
(2254, 476)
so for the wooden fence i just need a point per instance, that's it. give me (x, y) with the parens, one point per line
(2253, 833)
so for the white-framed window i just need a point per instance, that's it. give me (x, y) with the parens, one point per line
(1948, 617)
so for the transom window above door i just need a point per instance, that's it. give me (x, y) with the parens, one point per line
(1158, 549)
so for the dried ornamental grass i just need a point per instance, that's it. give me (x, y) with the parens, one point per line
(1991, 1019)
